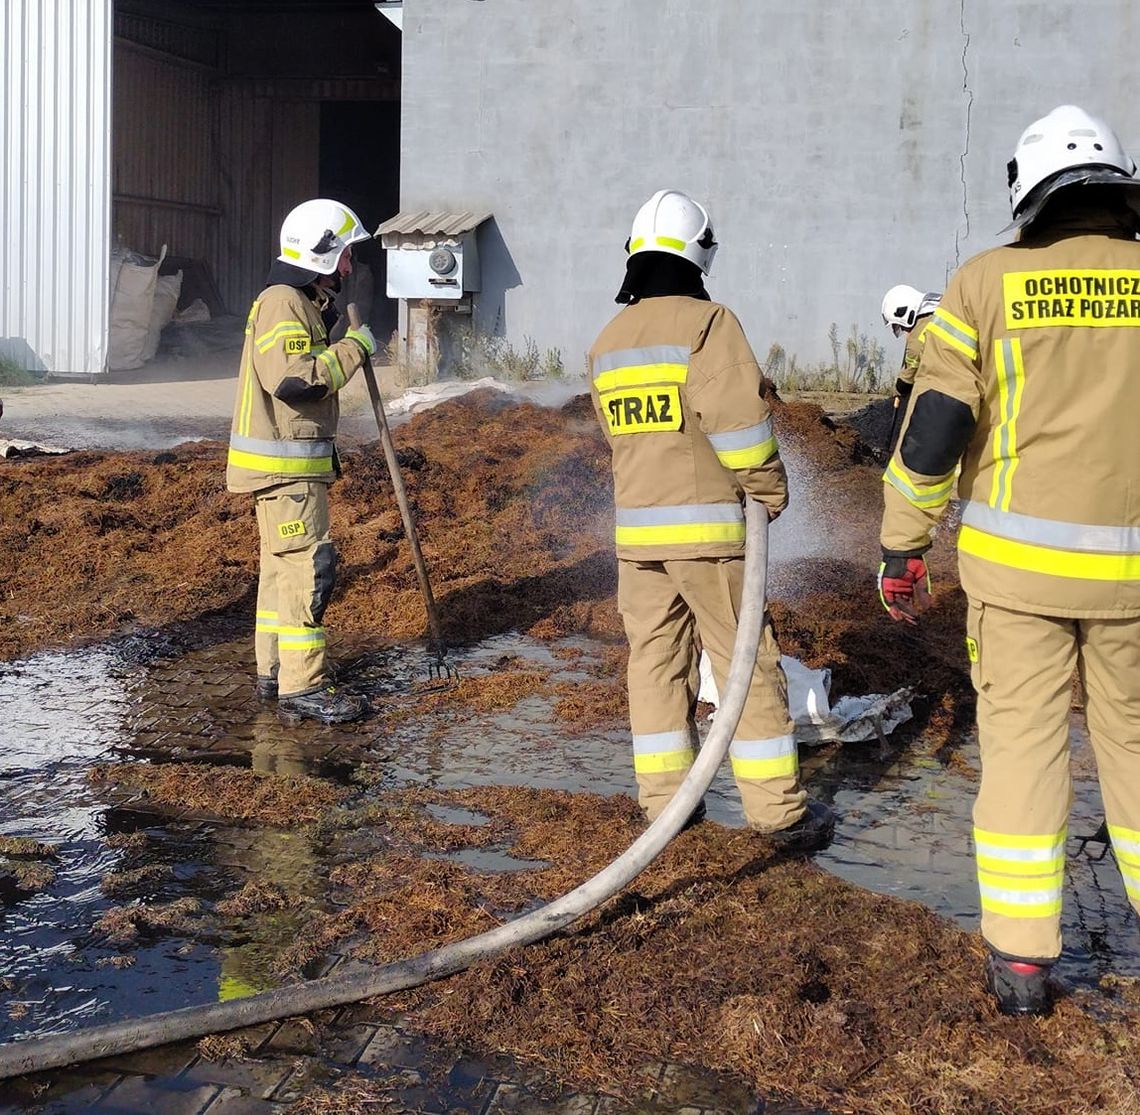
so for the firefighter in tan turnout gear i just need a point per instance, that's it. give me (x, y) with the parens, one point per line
(907, 310)
(680, 398)
(1031, 376)
(283, 450)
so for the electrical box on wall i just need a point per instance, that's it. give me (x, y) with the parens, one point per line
(432, 254)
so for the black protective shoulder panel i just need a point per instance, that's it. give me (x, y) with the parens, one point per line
(293, 389)
(937, 434)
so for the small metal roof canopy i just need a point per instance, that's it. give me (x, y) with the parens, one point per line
(435, 224)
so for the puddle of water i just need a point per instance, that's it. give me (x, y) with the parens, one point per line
(454, 815)
(904, 826)
(907, 831)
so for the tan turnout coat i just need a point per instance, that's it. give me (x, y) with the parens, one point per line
(1032, 361)
(680, 397)
(277, 442)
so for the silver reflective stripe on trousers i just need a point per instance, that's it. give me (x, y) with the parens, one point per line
(1053, 533)
(653, 742)
(303, 447)
(636, 357)
(680, 514)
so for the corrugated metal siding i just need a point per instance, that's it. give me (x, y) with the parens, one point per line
(55, 183)
(166, 172)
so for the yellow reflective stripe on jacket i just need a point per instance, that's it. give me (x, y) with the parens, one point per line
(1048, 560)
(300, 638)
(955, 332)
(289, 466)
(681, 525)
(926, 496)
(748, 448)
(1011, 389)
(246, 413)
(336, 373)
(662, 752)
(280, 331)
(252, 315)
(639, 367)
(1056, 534)
(764, 758)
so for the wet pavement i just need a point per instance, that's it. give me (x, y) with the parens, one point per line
(186, 695)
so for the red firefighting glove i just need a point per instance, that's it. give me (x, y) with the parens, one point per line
(904, 587)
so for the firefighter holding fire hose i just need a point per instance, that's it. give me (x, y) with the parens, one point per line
(680, 398)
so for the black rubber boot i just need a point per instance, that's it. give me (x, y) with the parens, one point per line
(810, 833)
(266, 687)
(1018, 987)
(329, 705)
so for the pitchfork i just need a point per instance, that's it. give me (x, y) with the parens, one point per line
(438, 665)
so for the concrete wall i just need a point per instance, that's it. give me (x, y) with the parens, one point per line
(842, 148)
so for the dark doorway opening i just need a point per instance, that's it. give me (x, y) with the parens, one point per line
(360, 166)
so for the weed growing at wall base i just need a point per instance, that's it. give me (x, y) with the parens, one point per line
(856, 366)
(12, 375)
(475, 353)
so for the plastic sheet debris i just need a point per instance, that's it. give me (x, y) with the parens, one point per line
(851, 720)
(417, 399)
(29, 449)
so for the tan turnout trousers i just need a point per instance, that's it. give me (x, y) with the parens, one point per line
(664, 604)
(298, 569)
(1021, 666)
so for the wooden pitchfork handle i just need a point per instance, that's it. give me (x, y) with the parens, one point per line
(440, 648)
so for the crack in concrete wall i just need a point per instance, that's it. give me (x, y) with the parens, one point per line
(964, 232)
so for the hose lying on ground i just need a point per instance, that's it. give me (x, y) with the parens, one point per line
(38, 1054)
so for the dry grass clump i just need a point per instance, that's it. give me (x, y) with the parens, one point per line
(123, 925)
(724, 956)
(494, 692)
(588, 706)
(30, 878)
(115, 884)
(128, 841)
(234, 1046)
(22, 866)
(514, 507)
(233, 794)
(256, 897)
(352, 1095)
(120, 961)
(400, 819)
(25, 846)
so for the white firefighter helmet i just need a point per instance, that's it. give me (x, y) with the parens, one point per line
(673, 222)
(1068, 147)
(903, 305)
(316, 232)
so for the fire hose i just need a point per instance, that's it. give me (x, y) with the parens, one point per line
(58, 1050)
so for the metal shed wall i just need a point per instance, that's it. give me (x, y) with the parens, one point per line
(55, 126)
(166, 178)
